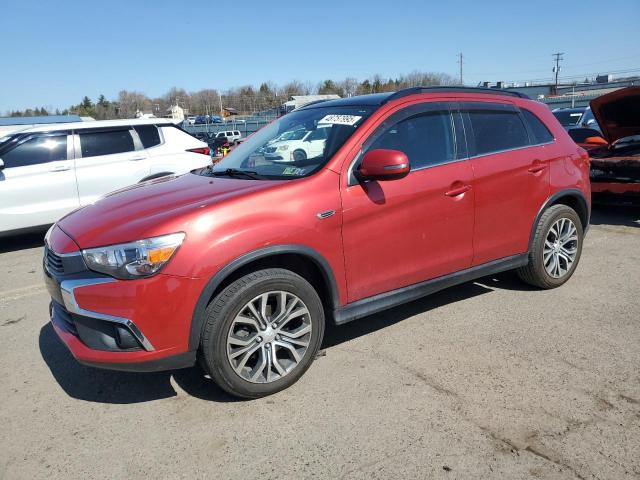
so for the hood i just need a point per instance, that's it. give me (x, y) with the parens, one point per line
(618, 113)
(149, 209)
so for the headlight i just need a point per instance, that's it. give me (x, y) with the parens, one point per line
(142, 258)
(282, 148)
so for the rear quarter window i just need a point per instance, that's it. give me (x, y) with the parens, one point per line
(149, 135)
(541, 133)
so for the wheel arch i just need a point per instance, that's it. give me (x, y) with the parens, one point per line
(572, 198)
(302, 260)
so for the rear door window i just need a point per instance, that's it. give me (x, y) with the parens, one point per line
(107, 142)
(497, 130)
(149, 135)
(37, 150)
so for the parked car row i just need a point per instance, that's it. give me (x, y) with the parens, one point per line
(203, 119)
(49, 170)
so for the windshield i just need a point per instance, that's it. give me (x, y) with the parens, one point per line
(296, 145)
(568, 117)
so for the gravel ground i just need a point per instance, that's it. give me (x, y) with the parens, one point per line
(489, 379)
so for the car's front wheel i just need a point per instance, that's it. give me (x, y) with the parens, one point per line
(262, 332)
(556, 248)
(299, 155)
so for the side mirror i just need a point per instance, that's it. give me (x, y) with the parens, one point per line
(1, 164)
(591, 121)
(382, 164)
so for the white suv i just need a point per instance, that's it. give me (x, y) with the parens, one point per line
(48, 170)
(233, 136)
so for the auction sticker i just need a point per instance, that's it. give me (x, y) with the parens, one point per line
(340, 119)
(293, 171)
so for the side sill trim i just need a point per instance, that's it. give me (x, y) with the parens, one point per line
(383, 301)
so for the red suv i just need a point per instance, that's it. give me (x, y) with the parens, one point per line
(241, 264)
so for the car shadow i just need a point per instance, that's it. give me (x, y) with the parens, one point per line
(628, 216)
(22, 241)
(105, 386)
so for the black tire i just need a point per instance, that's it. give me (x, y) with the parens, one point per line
(535, 273)
(299, 155)
(219, 317)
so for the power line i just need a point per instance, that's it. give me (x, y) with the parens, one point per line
(576, 76)
(566, 66)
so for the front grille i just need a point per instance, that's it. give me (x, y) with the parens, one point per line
(270, 150)
(54, 261)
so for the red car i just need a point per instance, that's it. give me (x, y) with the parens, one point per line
(615, 159)
(241, 264)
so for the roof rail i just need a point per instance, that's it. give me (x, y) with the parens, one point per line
(489, 91)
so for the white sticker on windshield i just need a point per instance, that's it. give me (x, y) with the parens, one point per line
(340, 119)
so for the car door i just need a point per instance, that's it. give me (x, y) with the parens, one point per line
(510, 178)
(108, 159)
(401, 232)
(37, 183)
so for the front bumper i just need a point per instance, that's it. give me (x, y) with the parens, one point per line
(132, 325)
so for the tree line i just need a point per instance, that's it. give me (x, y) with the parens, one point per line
(246, 99)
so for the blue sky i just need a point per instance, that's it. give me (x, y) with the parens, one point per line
(56, 52)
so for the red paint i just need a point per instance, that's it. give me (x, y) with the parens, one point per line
(381, 164)
(384, 235)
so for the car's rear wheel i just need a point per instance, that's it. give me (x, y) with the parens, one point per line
(556, 249)
(262, 333)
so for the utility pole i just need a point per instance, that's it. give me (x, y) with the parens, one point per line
(460, 62)
(556, 69)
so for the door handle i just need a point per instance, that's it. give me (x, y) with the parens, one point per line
(454, 192)
(135, 159)
(537, 166)
(60, 168)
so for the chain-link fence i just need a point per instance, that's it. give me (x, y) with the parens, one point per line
(245, 126)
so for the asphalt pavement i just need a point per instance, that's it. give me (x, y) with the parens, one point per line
(490, 379)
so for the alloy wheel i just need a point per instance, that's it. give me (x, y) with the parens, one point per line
(560, 248)
(269, 337)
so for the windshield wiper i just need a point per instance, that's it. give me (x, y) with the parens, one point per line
(234, 172)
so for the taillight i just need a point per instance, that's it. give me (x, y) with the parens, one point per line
(202, 150)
